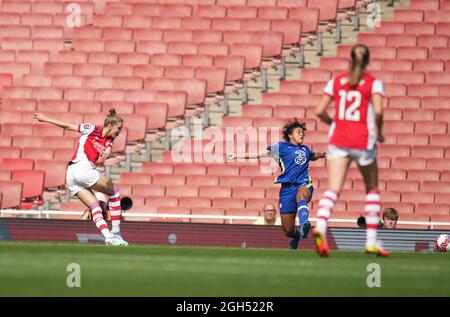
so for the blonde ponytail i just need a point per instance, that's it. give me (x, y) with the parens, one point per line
(112, 118)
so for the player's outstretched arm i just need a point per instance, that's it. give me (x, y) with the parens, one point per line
(321, 110)
(68, 126)
(236, 156)
(318, 155)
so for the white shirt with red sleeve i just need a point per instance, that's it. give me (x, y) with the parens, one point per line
(354, 120)
(91, 143)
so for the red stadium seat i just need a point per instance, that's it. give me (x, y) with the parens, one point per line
(408, 163)
(5, 140)
(55, 172)
(144, 34)
(437, 164)
(419, 114)
(194, 202)
(440, 218)
(251, 52)
(404, 102)
(181, 191)
(165, 23)
(243, 213)
(196, 23)
(174, 210)
(156, 201)
(147, 190)
(412, 139)
(412, 53)
(228, 203)
(10, 117)
(308, 16)
(427, 151)
(433, 208)
(135, 178)
(429, 65)
(257, 111)
(17, 164)
(176, 10)
(435, 102)
(408, 15)
(207, 211)
(214, 49)
(417, 197)
(9, 152)
(215, 192)
(242, 12)
(430, 127)
(37, 153)
(372, 39)
(33, 186)
(11, 194)
(248, 192)
(422, 175)
(391, 27)
(63, 154)
(5, 175)
(412, 217)
(202, 180)
(207, 36)
(435, 186)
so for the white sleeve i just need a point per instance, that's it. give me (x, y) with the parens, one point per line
(377, 87)
(86, 128)
(329, 88)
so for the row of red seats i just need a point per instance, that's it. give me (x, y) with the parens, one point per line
(416, 28)
(176, 100)
(389, 52)
(398, 108)
(430, 99)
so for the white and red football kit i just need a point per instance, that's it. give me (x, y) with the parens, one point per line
(353, 131)
(91, 143)
(82, 173)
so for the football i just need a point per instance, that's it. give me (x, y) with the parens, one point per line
(441, 243)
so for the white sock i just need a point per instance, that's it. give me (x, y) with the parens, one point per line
(326, 204)
(372, 213)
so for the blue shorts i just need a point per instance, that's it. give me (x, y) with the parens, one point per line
(288, 194)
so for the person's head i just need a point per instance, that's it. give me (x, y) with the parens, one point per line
(360, 59)
(294, 131)
(269, 212)
(390, 217)
(113, 124)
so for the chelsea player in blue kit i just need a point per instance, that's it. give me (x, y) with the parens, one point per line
(296, 185)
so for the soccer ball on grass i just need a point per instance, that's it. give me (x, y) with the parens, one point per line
(441, 244)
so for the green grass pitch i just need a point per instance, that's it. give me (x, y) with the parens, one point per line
(40, 269)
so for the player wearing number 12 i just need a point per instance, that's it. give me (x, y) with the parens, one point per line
(355, 128)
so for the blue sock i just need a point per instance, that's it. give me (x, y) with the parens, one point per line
(302, 211)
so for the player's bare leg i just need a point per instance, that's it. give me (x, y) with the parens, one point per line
(303, 197)
(337, 170)
(105, 186)
(372, 209)
(89, 199)
(289, 230)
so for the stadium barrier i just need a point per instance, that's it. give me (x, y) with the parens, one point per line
(48, 213)
(205, 234)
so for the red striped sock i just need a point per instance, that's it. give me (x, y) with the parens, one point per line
(372, 214)
(326, 205)
(115, 209)
(97, 217)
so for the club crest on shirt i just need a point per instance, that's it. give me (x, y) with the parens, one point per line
(301, 157)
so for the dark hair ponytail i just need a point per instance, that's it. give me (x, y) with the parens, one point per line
(360, 59)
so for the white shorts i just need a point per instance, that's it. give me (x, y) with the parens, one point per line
(81, 175)
(362, 157)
